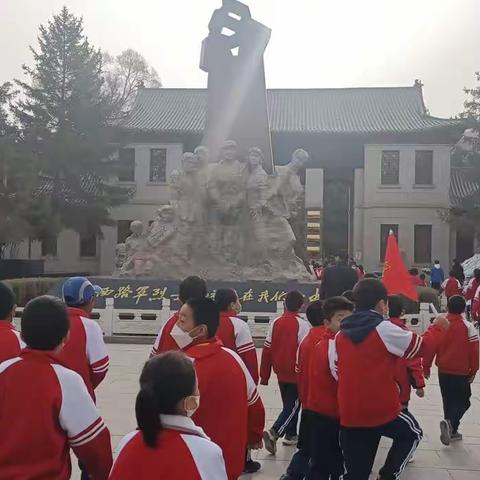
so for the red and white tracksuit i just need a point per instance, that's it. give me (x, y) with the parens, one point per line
(231, 411)
(364, 360)
(408, 373)
(235, 335)
(451, 286)
(457, 353)
(10, 342)
(164, 341)
(183, 452)
(304, 355)
(280, 348)
(47, 411)
(85, 351)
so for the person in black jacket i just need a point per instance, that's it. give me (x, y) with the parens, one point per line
(458, 272)
(337, 279)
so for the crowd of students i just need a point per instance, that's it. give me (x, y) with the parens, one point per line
(347, 371)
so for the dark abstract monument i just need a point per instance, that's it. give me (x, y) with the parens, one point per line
(230, 210)
(232, 54)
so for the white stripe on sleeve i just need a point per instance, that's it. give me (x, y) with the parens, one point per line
(78, 416)
(243, 337)
(252, 392)
(96, 349)
(395, 339)
(207, 456)
(303, 329)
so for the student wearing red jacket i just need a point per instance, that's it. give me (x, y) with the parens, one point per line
(234, 332)
(280, 352)
(48, 409)
(326, 459)
(451, 286)
(471, 289)
(10, 342)
(409, 373)
(235, 335)
(191, 287)
(363, 359)
(231, 411)
(298, 466)
(167, 443)
(457, 362)
(84, 351)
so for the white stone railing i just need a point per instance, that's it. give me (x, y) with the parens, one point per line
(146, 323)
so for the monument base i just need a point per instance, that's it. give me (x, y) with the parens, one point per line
(150, 293)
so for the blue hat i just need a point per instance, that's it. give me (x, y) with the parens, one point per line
(79, 291)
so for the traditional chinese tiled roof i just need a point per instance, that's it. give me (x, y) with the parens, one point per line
(461, 187)
(328, 111)
(88, 189)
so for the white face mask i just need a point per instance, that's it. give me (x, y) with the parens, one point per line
(437, 265)
(191, 411)
(183, 339)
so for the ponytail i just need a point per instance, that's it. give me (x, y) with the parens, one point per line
(148, 417)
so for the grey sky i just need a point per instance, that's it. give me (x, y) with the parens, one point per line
(315, 43)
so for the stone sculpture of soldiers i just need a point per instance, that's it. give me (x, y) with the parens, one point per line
(226, 191)
(139, 257)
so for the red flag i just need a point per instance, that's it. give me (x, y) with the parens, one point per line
(395, 274)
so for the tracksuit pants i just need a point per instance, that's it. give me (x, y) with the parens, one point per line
(286, 423)
(456, 392)
(360, 445)
(298, 467)
(326, 461)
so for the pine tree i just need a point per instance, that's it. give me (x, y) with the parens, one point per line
(64, 120)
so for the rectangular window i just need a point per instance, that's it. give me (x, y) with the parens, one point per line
(390, 167)
(423, 244)
(126, 171)
(123, 230)
(423, 167)
(88, 245)
(49, 247)
(158, 165)
(384, 233)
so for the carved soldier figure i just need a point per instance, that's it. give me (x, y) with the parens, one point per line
(138, 253)
(163, 228)
(226, 190)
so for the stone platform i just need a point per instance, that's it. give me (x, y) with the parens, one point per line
(433, 461)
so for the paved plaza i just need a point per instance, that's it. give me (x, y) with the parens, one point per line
(433, 461)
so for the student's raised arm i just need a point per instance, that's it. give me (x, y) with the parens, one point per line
(409, 345)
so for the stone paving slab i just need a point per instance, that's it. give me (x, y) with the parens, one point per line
(433, 461)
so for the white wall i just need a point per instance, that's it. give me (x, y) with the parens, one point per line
(405, 204)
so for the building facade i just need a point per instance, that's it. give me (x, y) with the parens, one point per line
(379, 162)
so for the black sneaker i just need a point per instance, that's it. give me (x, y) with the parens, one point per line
(251, 466)
(270, 438)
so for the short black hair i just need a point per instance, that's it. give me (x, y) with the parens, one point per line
(370, 275)
(192, 287)
(437, 261)
(451, 273)
(456, 304)
(294, 301)
(315, 314)
(395, 306)
(45, 323)
(423, 276)
(413, 271)
(7, 300)
(476, 273)
(368, 292)
(205, 312)
(224, 297)
(348, 294)
(334, 304)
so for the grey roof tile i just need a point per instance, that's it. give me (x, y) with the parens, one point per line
(337, 111)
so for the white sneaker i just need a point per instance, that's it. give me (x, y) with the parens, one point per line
(445, 432)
